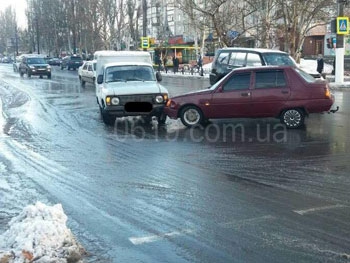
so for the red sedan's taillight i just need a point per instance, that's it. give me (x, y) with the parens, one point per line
(327, 93)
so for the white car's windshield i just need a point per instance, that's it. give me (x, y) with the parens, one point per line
(36, 61)
(129, 73)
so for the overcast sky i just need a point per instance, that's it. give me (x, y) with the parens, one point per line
(19, 6)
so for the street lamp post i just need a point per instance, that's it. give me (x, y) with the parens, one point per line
(144, 20)
(37, 34)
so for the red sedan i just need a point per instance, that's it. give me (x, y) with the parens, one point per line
(286, 93)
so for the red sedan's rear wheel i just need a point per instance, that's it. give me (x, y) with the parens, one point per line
(293, 118)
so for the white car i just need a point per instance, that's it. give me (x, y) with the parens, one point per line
(17, 61)
(87, 72)
(130, 89)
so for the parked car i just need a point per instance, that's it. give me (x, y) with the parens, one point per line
(71, 62)
(6, 60)
(227, 59)
(34, 65)
(127, 85)
(283, 92)
(87, 72)
(54, 62)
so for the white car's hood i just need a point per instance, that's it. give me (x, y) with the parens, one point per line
(133, 87)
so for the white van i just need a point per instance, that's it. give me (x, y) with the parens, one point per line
(127, 85)
(106, 56)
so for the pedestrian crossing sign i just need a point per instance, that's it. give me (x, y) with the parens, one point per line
(145, 42)
(342, 25)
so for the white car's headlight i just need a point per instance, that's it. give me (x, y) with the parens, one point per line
(32, 67)
(159, 99)
(115, 101)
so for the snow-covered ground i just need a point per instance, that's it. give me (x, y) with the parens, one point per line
(39, 234)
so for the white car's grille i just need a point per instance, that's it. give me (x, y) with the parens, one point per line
(137, 98)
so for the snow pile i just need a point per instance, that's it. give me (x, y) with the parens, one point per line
(39, 234)
(310, 65)
(207, 68)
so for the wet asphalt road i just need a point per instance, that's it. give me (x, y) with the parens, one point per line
(142, 193)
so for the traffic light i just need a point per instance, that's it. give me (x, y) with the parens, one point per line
(334, 26)
(329, 43)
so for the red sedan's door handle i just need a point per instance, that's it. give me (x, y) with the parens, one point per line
(245, 94)
(285, 91)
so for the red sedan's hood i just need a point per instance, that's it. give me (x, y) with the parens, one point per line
(195, 93)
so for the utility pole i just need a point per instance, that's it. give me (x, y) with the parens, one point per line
(339, 50)
(74, 16)
(16, 40)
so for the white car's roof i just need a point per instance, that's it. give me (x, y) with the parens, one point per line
(113, 64)
(120, 53)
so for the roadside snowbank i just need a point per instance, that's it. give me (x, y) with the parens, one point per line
(1, 117)
(39, 234)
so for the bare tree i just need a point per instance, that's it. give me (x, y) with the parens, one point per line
(266, 17)
(264, 20)
(223, 15)
(108, 11)
(8, 30)
(299, 17)
(120, 23)
(134, 12)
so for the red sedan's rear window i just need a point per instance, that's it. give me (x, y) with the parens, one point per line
(269, 79)
(308, 78)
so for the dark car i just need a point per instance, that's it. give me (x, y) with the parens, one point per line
(54, 62)
(34, 65)
(227, 59)
(287, 93)
(71, 62)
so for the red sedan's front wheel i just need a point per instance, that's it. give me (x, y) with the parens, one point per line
(191, 116)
